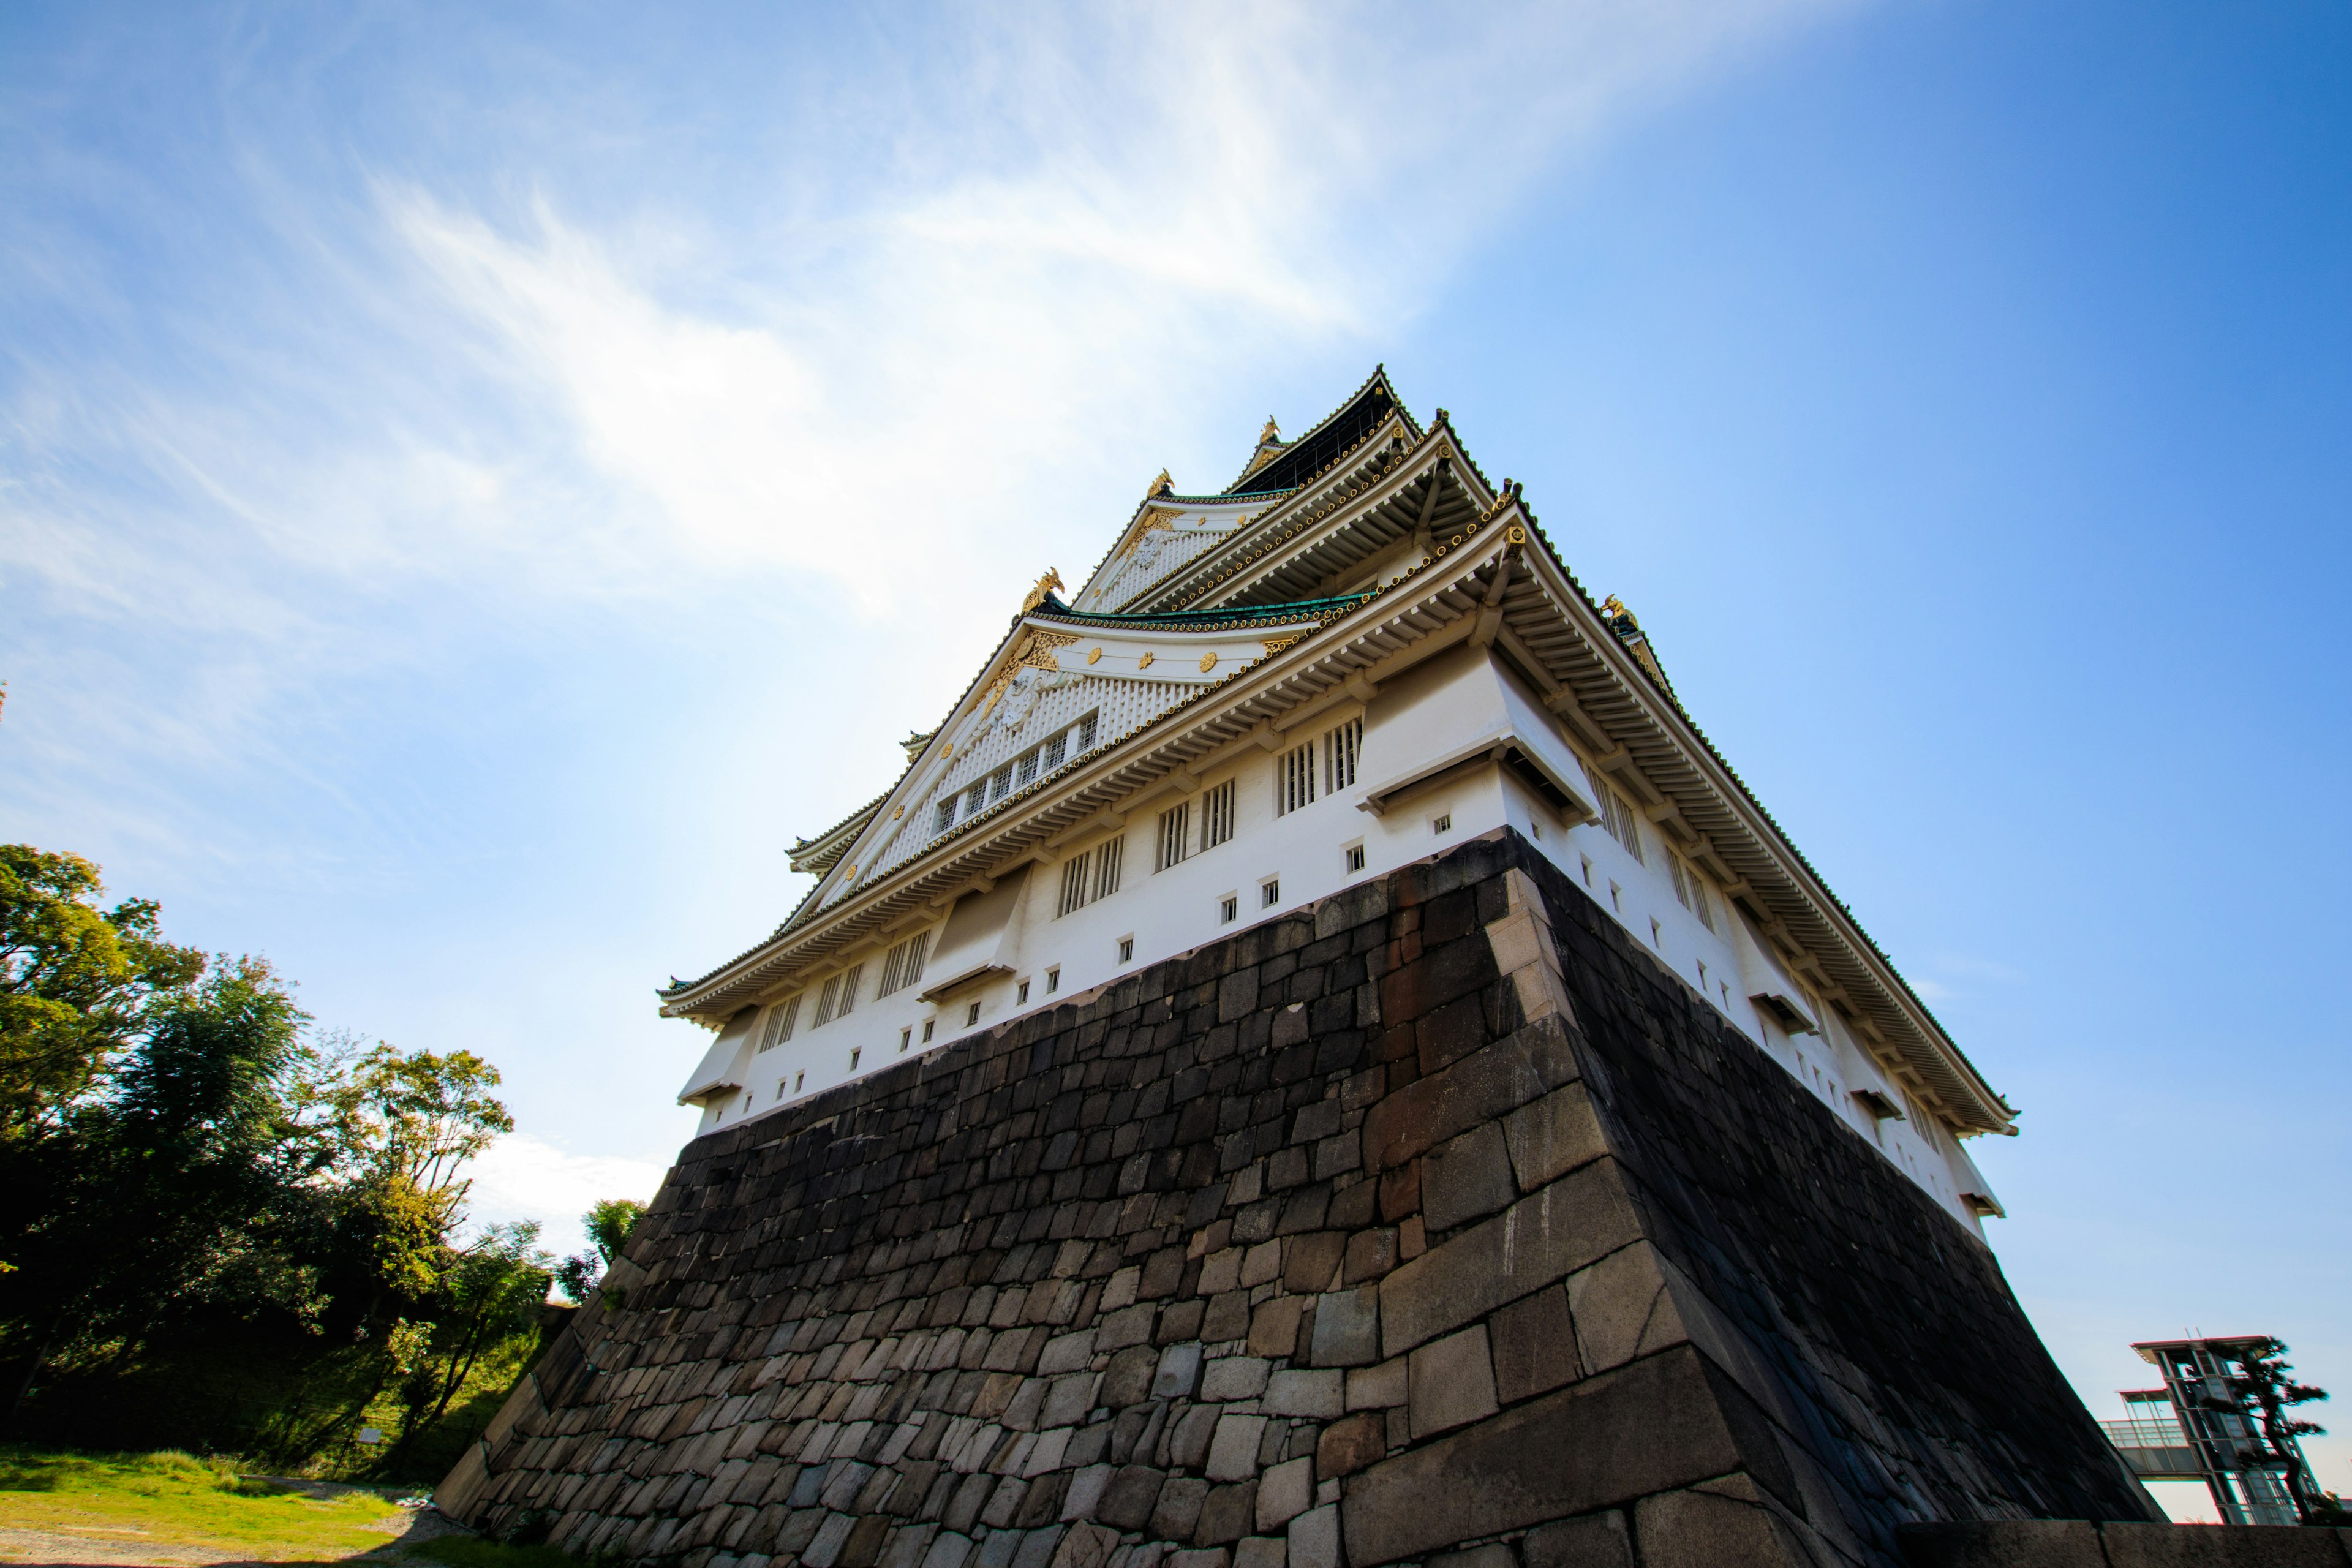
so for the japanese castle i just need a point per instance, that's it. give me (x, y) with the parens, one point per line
(1360, 654)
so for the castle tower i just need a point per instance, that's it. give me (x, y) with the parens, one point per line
(1317, 1061)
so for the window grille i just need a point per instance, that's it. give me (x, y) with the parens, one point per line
(1691, 891)
(1294, 779)
(1073, 883)
(1229, 909)
(1087, 734)
(1341, 748)
(1175, 835)
(1000, 784)
(1028, 769)
(946, 814)
(1108, 858)
(1442, 824)
(1053, 981)
(903, 965)
(1269, 894)
(1217, 814)
(1355, 857)
(1126, 950)
(975, 797)
(1616, 815)
(1057, 750)
(779, 1026)
(840, 994)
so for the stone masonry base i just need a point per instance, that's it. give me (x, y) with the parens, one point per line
(1436, 1221)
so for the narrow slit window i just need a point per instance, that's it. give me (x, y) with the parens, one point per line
(1230, 910)
(799, 1079)
(1126, 949)
(906, 1037)
(927, 1029)
(1355, 857)
(1269, 894)
(1053, 981)
(1023, 995)
(971, 1015)
(1217, 814)
(854, 1052)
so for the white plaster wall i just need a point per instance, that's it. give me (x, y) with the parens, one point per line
(1455, 697)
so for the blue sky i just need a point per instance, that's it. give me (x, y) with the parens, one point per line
(474, 484)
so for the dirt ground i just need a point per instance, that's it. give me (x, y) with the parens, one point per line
(105, 1547)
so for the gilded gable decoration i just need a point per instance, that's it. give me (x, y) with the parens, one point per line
(1047, 584)
(1038, 651)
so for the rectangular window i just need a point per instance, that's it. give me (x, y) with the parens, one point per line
(927, 1029)
(1057, 750)
(1616, 813)
(1000, 784)
(799, 1079)
(906, 1037)
(1108, 857)
(1053, 981)
(1175, 835)
(1269, 894)
(1691, 891)
(1074, 884)
(1355, 857)
(975, 799)
(1442, 824)
(828, 1003)
(854, 1052)
(903, 965)
(1126, 949)
(1026, 770)
(779, 1026)
(1294, 779)
(947, 815)
(1087, 734)
(1023, 996)
(1341, 748)
(1230, 911)
(1217, 814)
(971, 1015)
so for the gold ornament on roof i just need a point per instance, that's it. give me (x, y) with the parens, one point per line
(1039, 650)
(1045, 584)
(1208, 662)
(1145, 662)
(1161, 486)
(1271, 434)
(1096, 654)
(1276, 645)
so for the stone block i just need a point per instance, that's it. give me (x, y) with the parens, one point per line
(1347, 1328)
(1623, 1307)
(1273, 1326)
(1314, 1539)
(1260, 1552)
(1371, 1253)
(1318, 1394)
(1285, 1492)
(1128, 1380)
(1553, 1136)
(1085, 1491)
(1187, 1439)
(1037, 1548)
(2132, 1545)
(1379, 1387)
(1128, 1500)
(1086, 1546)
(948, 1550)
(1069, 1398)
(1067, 1353)
(1494, 1554)
(1232, 1452)
(1602, 1443)
(1535, 1345)
(1350, 1445)
(1702, 1527)
(1310, 1262)
(1452, 1383)
(1179, 1371)
(1480, 1088)
(1228, 1318)
(824, 1549)
(1542, 1238)
(1217, 1557)
(1261, 1263)
(1220, 1270)
(1466, 1178)
(2003, 1543)
(1235, 1377)
(1595, 1540)
(1129, 1326)
(1226, 1514)
(1178, 1509)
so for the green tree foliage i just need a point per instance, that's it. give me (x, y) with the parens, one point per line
(608, 1225)
(2265, 1380)
(187, 1157)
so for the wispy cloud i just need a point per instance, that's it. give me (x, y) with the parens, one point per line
(523, 1177)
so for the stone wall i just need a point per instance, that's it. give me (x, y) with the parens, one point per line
(1436, 1219)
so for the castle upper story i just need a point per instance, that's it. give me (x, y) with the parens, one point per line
(1358, 655)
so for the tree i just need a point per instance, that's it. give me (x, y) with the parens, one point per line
(2263, 1379)
(74, 981)
(608, 1225)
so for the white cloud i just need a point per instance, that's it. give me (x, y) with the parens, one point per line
(522, 1177)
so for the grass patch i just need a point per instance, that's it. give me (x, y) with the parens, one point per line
(172, 1499)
